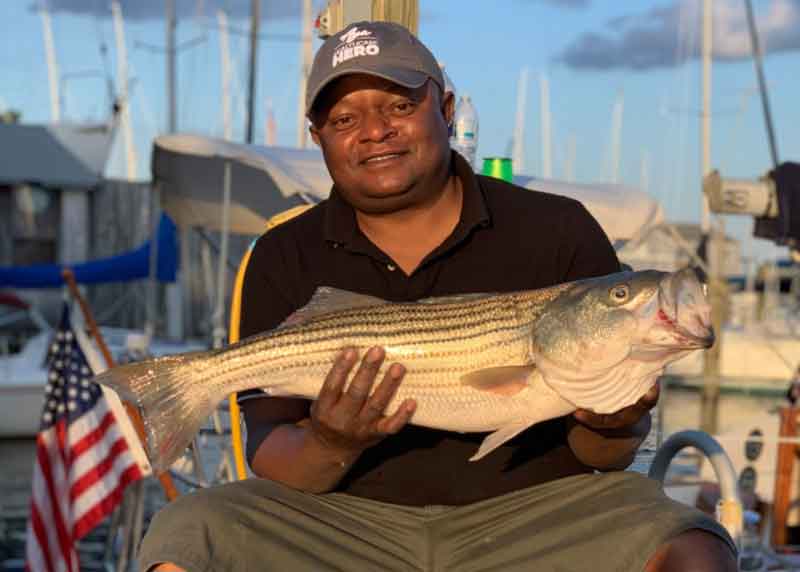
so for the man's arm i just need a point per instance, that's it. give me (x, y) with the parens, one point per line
(604, 442)
(609, 442)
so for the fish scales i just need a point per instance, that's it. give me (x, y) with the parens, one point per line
(450, 332)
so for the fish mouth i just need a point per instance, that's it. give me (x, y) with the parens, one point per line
(684, 310)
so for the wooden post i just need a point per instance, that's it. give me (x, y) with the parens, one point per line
(783, 476)
(69, 277)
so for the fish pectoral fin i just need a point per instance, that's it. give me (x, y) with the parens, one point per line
(327, 300)
(504, 380)
(494, 440)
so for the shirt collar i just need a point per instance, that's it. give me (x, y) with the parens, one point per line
(341, 227)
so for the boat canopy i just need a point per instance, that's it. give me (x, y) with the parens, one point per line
(190, 169)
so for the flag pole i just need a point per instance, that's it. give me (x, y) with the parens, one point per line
(136, 420)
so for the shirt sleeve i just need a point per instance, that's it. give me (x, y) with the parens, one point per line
(586, 251)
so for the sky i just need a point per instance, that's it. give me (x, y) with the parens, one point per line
(641, 57)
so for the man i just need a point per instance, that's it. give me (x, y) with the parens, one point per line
(345, 487)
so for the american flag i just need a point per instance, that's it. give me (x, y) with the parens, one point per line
(83, 463)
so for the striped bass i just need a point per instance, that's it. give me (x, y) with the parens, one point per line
(474, 363)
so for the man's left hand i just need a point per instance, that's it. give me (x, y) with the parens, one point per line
(625, 417)
(609, 442)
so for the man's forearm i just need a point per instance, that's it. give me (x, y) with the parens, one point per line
(607, 449)
(291, 455)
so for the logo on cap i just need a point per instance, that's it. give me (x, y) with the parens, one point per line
(353, 44)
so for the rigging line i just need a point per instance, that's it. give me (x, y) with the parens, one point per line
(139, 45)
(762, 84)
(107, 76)
(262, 36)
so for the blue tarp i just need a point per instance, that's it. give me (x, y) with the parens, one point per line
(131, 265)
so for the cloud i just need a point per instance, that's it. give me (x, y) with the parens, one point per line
(154, 9)
(669, 35)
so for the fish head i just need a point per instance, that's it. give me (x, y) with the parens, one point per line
(603, 342)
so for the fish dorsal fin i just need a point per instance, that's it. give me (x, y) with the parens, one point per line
(327, 300)
(504, 380)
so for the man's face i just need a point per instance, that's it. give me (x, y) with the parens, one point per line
(385, 146)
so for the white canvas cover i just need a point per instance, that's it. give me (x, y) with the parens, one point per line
(268, 180)
(625, 213)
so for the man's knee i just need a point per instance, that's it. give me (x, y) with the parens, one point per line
(693, 551)
(204, 507)
(187, 522)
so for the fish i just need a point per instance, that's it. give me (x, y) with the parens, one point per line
(494, 363)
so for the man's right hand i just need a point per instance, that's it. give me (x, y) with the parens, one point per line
(350, 417)
(312, 448)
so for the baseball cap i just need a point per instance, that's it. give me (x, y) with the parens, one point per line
(382, 49)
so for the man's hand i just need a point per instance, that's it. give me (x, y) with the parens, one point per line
(626, 417)
(609, 442)
(352, 419)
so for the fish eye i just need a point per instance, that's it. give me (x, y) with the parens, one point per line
(620, 293)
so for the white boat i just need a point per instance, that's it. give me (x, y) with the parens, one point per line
(23, 373)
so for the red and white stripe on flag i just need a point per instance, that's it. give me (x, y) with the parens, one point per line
(83, 462)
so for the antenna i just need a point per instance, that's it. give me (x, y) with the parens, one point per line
(518, 147)
(52, 64)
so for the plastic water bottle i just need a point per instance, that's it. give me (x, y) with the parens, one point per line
(465, 130)
(751, 555)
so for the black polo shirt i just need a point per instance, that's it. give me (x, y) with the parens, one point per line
(508, 238)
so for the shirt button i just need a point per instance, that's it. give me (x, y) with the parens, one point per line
(391, 267)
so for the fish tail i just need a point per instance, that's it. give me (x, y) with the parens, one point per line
(168, 393)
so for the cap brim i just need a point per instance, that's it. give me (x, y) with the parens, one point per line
(401, 76)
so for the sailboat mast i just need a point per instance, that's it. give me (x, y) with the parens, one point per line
(547, 143)
(715, 241)
(255, 20)
(52, 64)
(122, 86)
(518, 148)
(225, 70)
(569, 161)
(705, 135)
(171, 71)
(644, 172)
(305, 69)
(616, 136)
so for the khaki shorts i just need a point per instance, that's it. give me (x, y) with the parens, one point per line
(600, 522)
